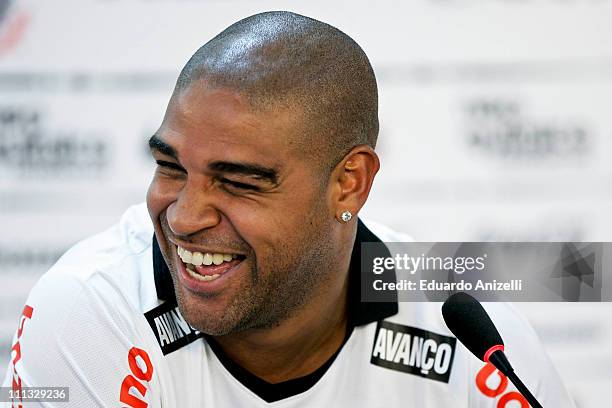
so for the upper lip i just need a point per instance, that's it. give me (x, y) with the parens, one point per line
(206, 250)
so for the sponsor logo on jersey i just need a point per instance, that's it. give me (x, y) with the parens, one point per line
(170, 328)
(16, 383)
(413, 351)
(484, 385)
(133, 391)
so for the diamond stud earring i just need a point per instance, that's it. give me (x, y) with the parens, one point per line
(346, 216)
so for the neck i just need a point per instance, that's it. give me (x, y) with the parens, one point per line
(300, 344)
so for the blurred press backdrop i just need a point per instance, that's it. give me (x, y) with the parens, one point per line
(496, 124)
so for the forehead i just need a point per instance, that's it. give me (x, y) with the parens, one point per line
(220, 122)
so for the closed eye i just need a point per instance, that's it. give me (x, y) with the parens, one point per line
(237, 184)
(170, 165)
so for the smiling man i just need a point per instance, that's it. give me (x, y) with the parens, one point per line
(267, 140)
(241, 286)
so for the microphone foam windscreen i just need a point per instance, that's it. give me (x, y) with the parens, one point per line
(470, 323)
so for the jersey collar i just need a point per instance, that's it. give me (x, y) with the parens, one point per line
(360, 313)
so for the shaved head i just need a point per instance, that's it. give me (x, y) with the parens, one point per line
(282, 60)
(267, 140)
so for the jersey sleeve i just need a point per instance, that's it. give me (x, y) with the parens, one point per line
(72, 335)
(491, 389)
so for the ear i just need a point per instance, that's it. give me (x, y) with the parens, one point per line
(352, 179)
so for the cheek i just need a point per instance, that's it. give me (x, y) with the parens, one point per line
(280, 232)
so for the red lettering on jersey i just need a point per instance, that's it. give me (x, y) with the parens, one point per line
(26, 314)
(136, 370)
(17, 349)
(129, 381)
(482, 377)
(16, 386)
(481, 382)
(512, 396)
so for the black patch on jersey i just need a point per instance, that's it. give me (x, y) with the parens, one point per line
(170, 328)
(413, 351)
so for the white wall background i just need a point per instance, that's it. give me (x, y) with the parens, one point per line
(495, 125)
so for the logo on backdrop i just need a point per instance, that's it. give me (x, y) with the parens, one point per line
(28, 144)
(24, 259)
(13, 23)
(414, 351)
(501, 128)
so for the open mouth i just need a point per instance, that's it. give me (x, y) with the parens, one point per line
(208, 266)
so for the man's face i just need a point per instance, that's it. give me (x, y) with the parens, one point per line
(231, 192)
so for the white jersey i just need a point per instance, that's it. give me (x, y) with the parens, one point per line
(104, 322)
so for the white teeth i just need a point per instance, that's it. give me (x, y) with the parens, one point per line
(208, 258)
(197, 258)
(217, 259)
(204, 278)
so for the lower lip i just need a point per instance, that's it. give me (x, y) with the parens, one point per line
(196, 285)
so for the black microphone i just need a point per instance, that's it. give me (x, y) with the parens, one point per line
(472, 326)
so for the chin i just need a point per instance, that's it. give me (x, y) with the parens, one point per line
(211, 316)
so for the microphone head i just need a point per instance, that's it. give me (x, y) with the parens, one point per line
(471, 324)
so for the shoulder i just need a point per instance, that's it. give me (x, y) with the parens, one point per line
(111, 271)
(130, 236)
(83, 320)
(102, 283)
(113, 264)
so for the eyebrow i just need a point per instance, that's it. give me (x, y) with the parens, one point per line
(247, 169)
(155, 143)
(260, 172)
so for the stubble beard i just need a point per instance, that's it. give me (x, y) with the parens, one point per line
(274, 295)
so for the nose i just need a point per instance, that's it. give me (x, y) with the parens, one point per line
(193, 211)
